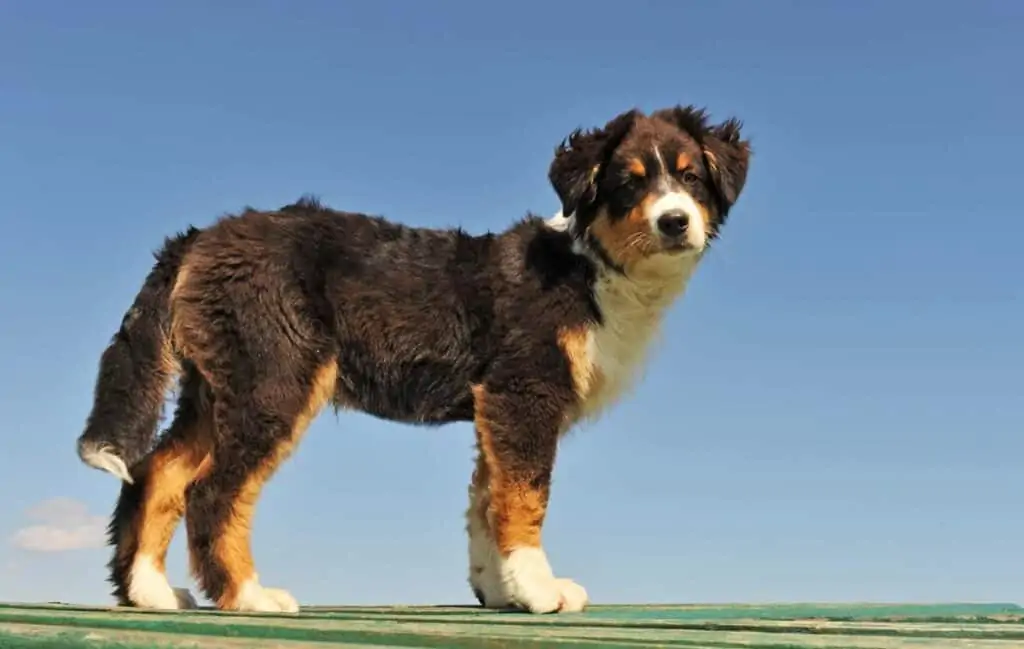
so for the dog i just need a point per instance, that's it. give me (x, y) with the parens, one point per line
(265, 317)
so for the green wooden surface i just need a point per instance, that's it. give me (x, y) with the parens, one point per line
(796, 626)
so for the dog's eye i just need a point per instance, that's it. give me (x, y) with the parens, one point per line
(690, 178)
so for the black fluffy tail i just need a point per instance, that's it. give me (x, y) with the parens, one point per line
(135, 370)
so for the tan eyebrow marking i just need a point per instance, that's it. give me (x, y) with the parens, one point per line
(636, 167)
(682, 161)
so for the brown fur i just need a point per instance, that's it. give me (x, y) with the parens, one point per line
(151, 507)
(273, 314)
(233, 547)
(628, 240)
(517, 503)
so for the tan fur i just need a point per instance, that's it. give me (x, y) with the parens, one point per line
(637, 168)
(169, 364)
(168, 473)
(232, 548)
(705, 216)
(180, 331)
(180, 281)
(682, 161)
(712, 160)
(587, 378)
(515, 509)
(628, 241)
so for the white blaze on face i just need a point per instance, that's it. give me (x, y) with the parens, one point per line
(678, 200)
(671, 197)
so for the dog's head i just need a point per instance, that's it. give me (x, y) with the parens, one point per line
(651, 185)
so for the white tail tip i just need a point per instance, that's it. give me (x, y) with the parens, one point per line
(102, 457)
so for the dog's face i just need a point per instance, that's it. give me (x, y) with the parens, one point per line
(645, 186)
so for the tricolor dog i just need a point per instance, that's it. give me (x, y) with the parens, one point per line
(265, 317)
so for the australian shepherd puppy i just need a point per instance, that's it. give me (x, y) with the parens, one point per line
(267, 316)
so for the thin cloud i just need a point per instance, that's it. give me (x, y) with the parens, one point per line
(61, 525)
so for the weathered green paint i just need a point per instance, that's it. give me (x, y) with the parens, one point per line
(795, 626)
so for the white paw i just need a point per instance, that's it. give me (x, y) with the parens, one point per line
(253, 597)
(529, 584)
(148, 588)
(574, 596)
(283, 598)
(485, 566)
(487, 588)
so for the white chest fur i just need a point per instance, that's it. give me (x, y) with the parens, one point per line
(607, 358)
(611, 355)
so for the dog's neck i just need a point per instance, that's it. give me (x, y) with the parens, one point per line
(649, 285)
(632, 303)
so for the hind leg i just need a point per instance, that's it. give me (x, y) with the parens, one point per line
(149, 509)
(259, 422)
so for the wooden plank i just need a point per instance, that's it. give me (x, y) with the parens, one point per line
(820, 626)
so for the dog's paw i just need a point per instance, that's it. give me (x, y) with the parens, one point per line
(253, 597)
(529, 584)
(574, 596)
(148, 588)
(487, 588)
(284, 599)
(484, 562)
(485, 576)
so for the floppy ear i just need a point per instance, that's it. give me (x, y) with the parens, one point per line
(726, 154)
(727, 157)
(580, 158)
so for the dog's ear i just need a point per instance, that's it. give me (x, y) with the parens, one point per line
(580, 158)
(727, 157)
(726, 154)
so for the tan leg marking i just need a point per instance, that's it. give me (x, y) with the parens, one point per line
(233, 548)
(180, 458)
(170, 471)
(515, 511)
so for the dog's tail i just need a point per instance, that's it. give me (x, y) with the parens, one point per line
(135, 370)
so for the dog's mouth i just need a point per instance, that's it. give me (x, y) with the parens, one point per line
(679, 248)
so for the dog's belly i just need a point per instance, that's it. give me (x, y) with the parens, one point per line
(417, 391)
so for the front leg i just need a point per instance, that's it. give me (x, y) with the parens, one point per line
(517, 434)
(484, 562)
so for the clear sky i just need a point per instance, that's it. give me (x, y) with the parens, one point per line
(835, 411)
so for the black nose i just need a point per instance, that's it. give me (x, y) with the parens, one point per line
(673, 224)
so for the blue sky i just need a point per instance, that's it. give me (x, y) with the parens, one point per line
(834, 413)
